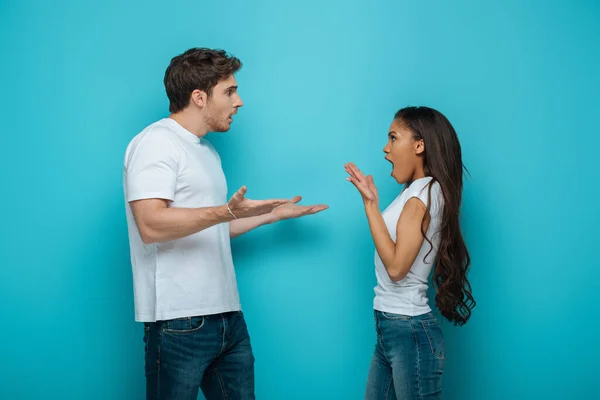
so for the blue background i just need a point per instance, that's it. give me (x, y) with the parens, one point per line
(520, 81)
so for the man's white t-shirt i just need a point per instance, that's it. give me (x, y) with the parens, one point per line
(194, 275)
(409, 296)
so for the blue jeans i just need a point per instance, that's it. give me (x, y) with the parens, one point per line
(408, 360)
(211, 353)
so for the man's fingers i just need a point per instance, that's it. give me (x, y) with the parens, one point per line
(272, 203)
(239, 195)
(296, 199)
(318, 208)
(308, 210)
(266, 203)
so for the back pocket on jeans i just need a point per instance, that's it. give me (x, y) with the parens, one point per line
(435, 337)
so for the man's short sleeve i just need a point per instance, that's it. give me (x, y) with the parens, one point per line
(151, 168)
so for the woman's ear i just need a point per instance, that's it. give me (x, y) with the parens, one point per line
(419, 147)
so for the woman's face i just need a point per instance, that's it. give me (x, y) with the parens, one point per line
(404, 152)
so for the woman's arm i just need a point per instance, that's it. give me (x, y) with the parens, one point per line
(399, 256)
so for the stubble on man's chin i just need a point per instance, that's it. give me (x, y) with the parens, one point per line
(215, 126)
(221, 129)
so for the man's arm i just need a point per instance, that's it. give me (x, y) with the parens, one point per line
(290, 209)
(151, 176)
(238, 227)
(157, 222)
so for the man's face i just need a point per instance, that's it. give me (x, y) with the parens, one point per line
(222, 105)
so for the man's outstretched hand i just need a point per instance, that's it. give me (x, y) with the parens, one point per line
(243, 207)
(291, 209)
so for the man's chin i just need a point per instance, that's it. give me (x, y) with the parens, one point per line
(222, 129)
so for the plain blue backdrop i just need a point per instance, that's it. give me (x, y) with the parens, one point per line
(321, 81)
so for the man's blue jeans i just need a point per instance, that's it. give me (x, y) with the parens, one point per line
(211, 353)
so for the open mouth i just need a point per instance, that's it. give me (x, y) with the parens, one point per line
(391, 162)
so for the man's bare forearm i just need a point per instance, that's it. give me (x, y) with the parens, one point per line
(167, 224)
(240, 226)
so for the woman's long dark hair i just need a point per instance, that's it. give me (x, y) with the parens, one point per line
(443, 162)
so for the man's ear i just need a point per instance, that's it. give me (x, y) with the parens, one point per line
(199, 97)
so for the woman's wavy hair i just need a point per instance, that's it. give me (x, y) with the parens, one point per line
(443, 162)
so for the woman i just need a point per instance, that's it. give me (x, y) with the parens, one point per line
(420, 228)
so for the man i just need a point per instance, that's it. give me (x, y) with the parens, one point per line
(180, 223)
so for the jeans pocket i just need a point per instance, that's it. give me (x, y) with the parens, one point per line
(392, 316)
(435, 337)
(182, 326)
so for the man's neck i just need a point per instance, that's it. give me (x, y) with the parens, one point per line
(191, 123)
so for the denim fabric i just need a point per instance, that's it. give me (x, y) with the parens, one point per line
(409, 358)
(211, 353)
